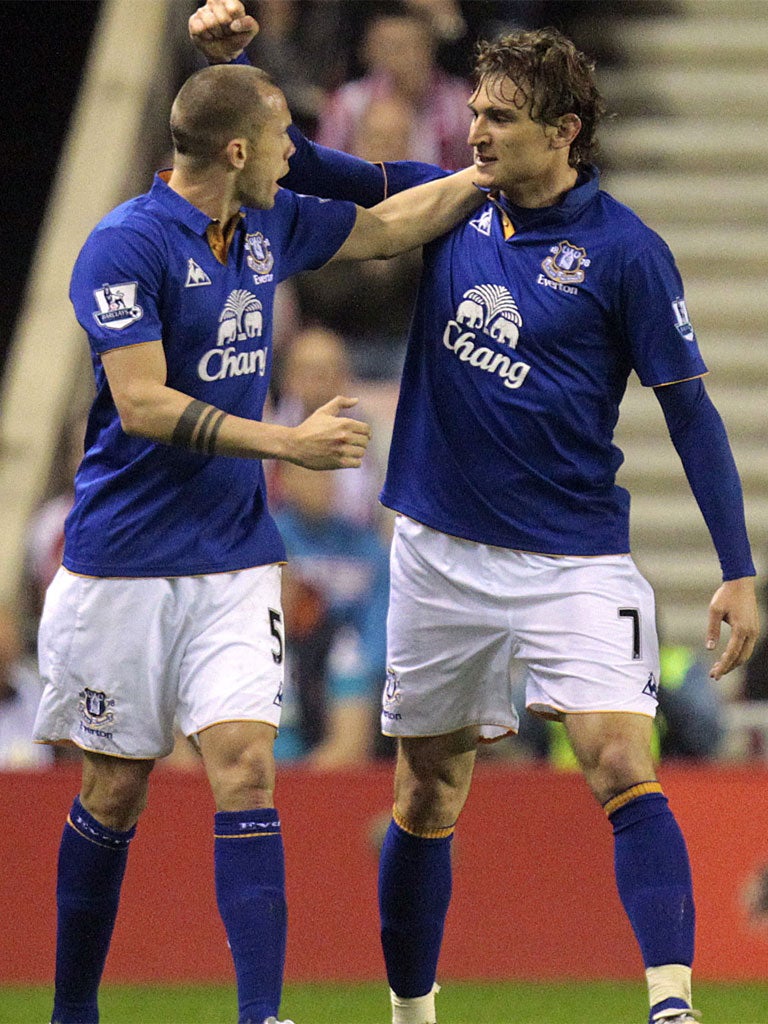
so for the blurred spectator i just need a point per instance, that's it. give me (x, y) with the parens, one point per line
(369, 303)
(20, 690)
(302, 46)
(335, 594)
(44, 541)
(399, 54)
(314, 369)
(691, 715)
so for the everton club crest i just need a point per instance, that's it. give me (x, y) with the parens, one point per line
(259, 255)
(96, 707)
(566, 263)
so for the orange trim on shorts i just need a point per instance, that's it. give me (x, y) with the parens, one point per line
(227, 721)
(436, 833)
(652, 786)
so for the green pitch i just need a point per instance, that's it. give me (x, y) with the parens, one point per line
(504, 1003)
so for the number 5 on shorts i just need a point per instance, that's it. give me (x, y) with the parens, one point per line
(276, 629)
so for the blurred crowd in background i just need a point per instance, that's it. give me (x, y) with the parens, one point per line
(385, 81)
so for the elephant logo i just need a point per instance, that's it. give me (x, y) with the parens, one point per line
(491, 308)
(566, 263)
(241, 318)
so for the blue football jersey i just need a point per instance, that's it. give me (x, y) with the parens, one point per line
(527, 325)
(147, 273)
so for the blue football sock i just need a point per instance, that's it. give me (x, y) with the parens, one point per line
(653, 876)
(414, 894)
(250, 890)
(92, 861)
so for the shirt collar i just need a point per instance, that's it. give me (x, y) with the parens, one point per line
(525, 218)
(179, 207)
(182, 210)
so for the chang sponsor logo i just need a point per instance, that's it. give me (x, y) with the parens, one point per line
(241, 319)
(488, 313)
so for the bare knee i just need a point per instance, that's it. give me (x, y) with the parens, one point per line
(115, 790)
(617, 768)
(239, 761)
(432, 779)
(614, 751)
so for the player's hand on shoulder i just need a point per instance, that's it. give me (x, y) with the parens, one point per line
(734, 602)
(221, 30)
(328, 440)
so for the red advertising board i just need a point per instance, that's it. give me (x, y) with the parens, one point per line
(534, 896)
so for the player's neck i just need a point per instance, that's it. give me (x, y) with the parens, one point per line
(542, 190)
(208, 191)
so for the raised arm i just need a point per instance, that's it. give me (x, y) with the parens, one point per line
(221, 30)
(701, 441)
(149, 408)
(412, 218)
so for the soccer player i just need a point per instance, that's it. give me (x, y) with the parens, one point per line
(512, 539)
(168, 604)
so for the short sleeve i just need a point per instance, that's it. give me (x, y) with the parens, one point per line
(316, 230)
(115, 289)
(654, 317)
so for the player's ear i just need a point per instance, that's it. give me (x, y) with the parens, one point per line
(236, 152)
(564, 131)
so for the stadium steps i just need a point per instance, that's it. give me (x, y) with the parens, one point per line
(679, 143)
(690, 91)
(686, 150)
(713, 200)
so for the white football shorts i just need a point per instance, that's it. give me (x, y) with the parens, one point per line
(465, 618)
(126, 661)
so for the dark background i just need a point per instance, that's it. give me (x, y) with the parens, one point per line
(43, 46)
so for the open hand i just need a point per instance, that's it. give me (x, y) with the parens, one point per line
(735, 603)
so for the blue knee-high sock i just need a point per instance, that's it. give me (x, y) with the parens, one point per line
(414, 894)
(92, 860)
(653, 876)
(250, 890)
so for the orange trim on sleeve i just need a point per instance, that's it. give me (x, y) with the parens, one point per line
(380, 163)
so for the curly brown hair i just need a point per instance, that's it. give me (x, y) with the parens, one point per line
(546, 66)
